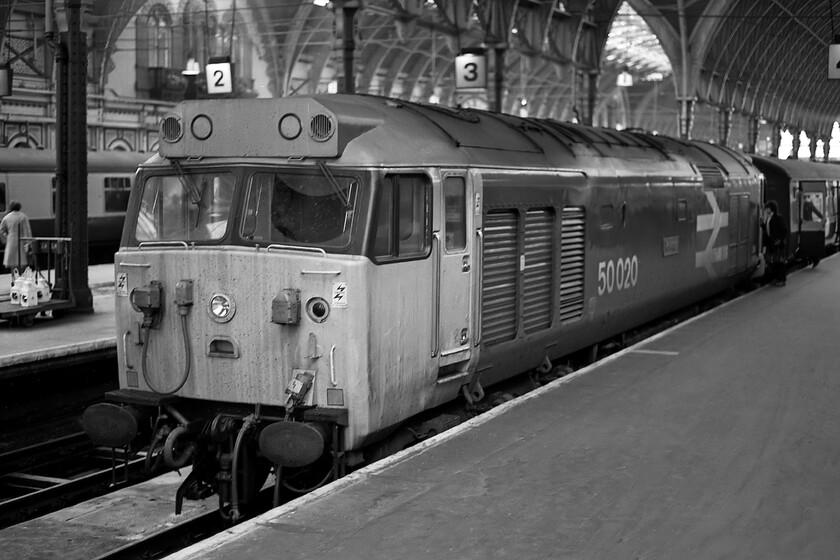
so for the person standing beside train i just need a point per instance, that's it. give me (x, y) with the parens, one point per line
(13, 227)
(775, 236)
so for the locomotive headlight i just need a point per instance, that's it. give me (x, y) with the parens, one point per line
(221, 308)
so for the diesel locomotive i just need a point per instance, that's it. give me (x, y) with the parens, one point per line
(301, 278)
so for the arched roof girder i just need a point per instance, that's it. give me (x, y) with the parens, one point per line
(374, 51)
(740, 54)
(293, 47)
(115, 17)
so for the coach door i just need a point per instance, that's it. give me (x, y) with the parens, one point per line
(453, 246)
(811, 214)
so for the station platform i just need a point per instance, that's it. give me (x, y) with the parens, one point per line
(75, 333)
(719, 438)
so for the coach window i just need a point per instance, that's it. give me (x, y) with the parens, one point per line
(403, 217)
(2, 197)
(117, 190)
(454, 192)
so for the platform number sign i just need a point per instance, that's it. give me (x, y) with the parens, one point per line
(834, 61)
(470, 71)
(219, 77)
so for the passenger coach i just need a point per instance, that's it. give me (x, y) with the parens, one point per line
(808, 194)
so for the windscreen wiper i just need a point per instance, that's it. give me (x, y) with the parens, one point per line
(195, 196)
(334, 184)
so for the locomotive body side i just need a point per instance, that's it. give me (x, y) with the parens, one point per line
(304, 275)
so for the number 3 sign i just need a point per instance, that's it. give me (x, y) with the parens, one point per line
(219, 77)
(470, 71)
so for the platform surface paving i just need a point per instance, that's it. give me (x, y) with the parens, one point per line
(74, 333)
(717, 439)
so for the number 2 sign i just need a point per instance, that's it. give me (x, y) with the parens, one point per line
(219, 77)
(470, 71)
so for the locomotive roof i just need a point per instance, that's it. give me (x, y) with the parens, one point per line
(376, 131)
(797, 168)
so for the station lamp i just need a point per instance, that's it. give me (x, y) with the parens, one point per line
(625, 79)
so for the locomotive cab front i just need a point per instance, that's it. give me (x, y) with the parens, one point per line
(262, 302)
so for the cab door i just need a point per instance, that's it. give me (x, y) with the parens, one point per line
(453, 245)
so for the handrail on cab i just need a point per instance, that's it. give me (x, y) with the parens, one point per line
(163, 244)
(280, 247)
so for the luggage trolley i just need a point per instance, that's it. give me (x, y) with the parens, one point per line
(49, 261)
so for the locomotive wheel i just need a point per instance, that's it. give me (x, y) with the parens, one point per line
(176, 451)
(27, 320)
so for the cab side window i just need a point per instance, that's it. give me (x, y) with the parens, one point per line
(455, 208)
(403, 218)
(2, 197)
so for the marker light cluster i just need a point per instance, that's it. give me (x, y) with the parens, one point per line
(289, 126)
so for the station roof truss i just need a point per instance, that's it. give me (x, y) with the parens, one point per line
(761, 58)
(765, 59)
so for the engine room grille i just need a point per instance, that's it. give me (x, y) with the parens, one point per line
(500, 264)
(539, 268)
(712, 178)
(572, 264)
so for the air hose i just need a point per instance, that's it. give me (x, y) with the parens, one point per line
(182, 310)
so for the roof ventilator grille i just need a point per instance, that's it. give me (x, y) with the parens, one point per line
(321, 127)
(171, 129)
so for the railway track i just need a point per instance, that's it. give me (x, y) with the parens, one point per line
(58, 473)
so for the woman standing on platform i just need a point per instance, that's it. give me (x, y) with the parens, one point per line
(15, 225)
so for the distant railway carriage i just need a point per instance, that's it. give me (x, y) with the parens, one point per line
(28, 175)
(301, 277)
(808, 195)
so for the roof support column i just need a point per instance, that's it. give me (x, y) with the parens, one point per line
(686, 117)
(726, 125)
(499, 77)
(686, 103)
(776, 140)
(755, 127)
(812, 146)
(71, 141)
(826, 146)
(591, 98)
(345, 33)
(796, 143)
